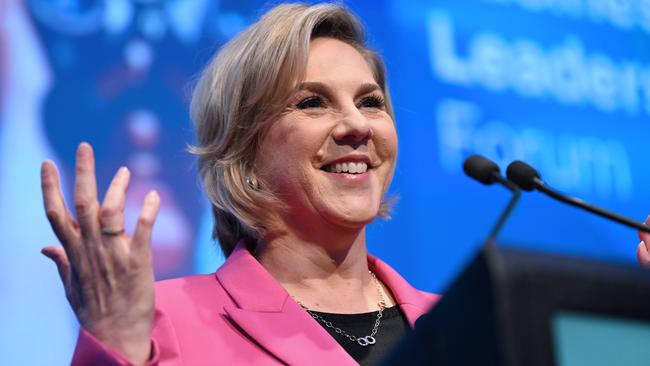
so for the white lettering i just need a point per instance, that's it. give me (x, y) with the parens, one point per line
(445, 62)
(581, 164)
(622, 14)
(488, 59)
(562, 72)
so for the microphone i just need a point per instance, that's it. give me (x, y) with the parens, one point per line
(487, 172)
(529, 179)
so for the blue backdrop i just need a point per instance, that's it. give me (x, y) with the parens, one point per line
(562, 84)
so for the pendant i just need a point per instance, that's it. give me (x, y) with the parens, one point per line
(364, 341)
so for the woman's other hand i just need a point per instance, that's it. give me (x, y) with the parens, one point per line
(643, 250)
(107, 275)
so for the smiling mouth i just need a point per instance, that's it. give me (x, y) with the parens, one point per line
(346, 168)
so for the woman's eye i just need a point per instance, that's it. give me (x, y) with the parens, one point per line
(372, 102)
(311, 102)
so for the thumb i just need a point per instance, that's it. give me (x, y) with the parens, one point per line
(60, 258)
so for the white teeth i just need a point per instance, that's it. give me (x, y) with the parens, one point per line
(351, 168)
(362, 167)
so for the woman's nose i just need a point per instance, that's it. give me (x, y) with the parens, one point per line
(353, 127)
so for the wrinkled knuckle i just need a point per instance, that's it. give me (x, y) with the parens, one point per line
(83, 204)
(81, 168)
(145, 222)
(45, 184)
(52, 215)
(108, 212)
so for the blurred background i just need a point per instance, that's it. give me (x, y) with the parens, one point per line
(561, 84)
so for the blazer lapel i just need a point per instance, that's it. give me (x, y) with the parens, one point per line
(267, 314)
(412, 302)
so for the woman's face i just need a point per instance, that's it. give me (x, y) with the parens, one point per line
(330, 155)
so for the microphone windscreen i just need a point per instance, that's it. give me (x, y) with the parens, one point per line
(481, 169)
(522, 174)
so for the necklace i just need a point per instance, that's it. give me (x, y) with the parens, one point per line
(362, 341)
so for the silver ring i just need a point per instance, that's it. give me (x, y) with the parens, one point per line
(112, 231)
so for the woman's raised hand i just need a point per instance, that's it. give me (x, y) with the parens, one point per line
(107, 275)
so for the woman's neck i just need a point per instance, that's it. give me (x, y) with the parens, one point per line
(329, 276)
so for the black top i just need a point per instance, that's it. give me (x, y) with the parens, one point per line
(392, 328)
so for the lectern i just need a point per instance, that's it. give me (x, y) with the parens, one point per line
(517, 307)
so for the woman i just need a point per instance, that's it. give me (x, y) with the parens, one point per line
(296, 149)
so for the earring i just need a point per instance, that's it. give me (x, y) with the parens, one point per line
(252, 182)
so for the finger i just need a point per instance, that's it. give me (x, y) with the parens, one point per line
(58, 256)
(111, 214)
(85, 195)
(643, 254)
(64, 226)
(142, 235)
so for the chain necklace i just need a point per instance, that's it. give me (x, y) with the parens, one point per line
(362, 341)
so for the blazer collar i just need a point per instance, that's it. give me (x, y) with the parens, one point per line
(265, 311)
(412, 302)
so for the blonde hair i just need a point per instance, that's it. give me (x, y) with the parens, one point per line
(244, 88)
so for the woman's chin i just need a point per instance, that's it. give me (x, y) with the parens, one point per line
(352, 219)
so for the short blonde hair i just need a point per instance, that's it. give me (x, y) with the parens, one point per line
(244, 88)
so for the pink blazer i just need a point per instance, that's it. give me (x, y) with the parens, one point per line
(242, 316)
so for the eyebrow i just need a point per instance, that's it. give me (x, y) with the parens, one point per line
(322, 88)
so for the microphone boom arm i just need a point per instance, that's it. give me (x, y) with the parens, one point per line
(576, 202)
(505, 214)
